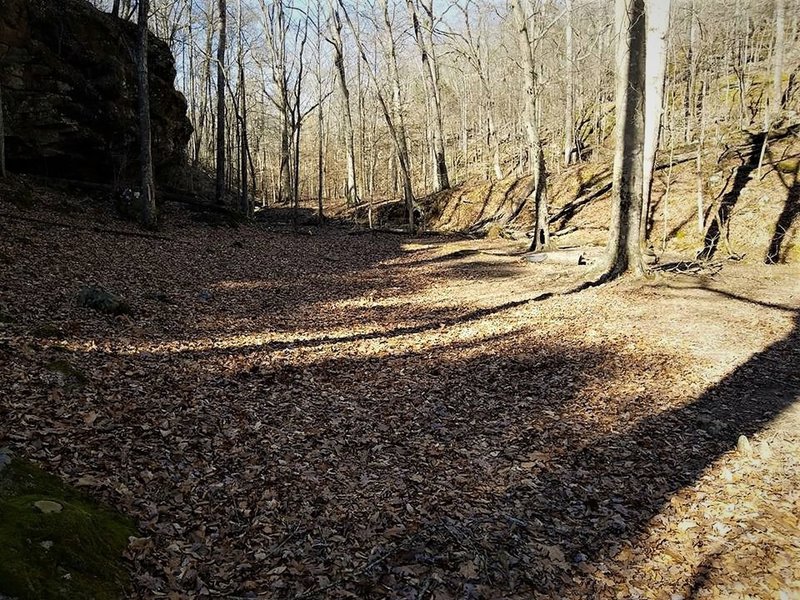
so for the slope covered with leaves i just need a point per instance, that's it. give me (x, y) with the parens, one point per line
(338, 416)
(758, 208)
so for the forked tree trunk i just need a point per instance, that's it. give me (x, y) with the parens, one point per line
(220, 179)
(149, 218)
(624, 245)
(658, 15)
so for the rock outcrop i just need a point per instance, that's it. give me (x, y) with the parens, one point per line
(69, 89)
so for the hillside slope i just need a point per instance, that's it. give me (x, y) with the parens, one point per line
(757, 214)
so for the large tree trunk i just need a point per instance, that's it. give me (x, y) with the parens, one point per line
(220, 180)
(441, 178)
(245, 207)
(535, 149)
(624, 245)
(149, 217)
(338, 58)
(658, 14)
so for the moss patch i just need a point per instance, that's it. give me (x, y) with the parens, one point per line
(69, 373)
(75, 553)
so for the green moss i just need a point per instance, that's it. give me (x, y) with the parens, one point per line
(790, 165)
(47, 331)
(75, 553)
(68, 371)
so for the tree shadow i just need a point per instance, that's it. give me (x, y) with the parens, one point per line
(788, 216)
(719, 223)
(580, 510)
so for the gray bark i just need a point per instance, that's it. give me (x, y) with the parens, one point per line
(220, 163)
(535, 148)
(624, 245)
(430, 77)
(658, 14)
(338, 59)
(149, 217)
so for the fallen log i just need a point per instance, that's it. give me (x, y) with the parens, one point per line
(569, 257)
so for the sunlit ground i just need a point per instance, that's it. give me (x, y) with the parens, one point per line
(342, 416)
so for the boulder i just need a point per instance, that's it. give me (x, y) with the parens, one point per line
(68, 78)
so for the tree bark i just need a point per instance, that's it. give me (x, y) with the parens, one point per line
(441, 178)
(220, 179)
(149, 217)
(536, 151)
(773, 110)
(624, 246)
(569, 116)
(658, 15)
(245, 206)
(401, 143)
(338, 59)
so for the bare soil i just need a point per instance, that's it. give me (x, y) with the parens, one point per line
(340, 416)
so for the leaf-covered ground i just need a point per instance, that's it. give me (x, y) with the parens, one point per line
(339, 416)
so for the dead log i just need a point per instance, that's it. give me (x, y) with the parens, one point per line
(569, 257)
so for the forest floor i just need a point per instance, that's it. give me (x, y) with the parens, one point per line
(348, 416)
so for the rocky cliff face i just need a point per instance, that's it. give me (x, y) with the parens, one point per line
(68, 79)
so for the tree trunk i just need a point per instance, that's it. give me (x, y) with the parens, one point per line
(569, 116)
(658, 15)
(624, 246)
(245, 207)
(220, 180)
(690, 100)
(773, 111)
(149, 217)
(536, 151)
(320, 123)
(401, 143)
(441, 178)
(336, 30)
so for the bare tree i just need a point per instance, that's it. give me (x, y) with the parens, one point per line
(398, 117)
(658, 16)
(430, 75)
(541, 238)
(338, 60)
(391, 122)
(569, 114)
(624, 245)
(773, 109)
(149, 217)
(473, 49)
(221, 79)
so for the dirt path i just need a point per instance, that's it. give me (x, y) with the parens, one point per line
(340, 416)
